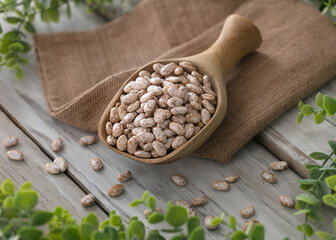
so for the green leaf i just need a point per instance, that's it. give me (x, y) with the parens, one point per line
(26, 186)
(19, 74)
(86, 230)
(151, 202)
(71, 233)
(104, 223)
(26, 46)
(318, 156)
(25, 199)
(325, 10)
(99, 236)
(179, 237)
(319, 100)
(16, 47)
(307, 229)
(331, 182)
(115, 220)
(111, 233)
(314, 173)
(315, 216)
(334, 223)
(41, 217)
(216, 220)
(308, 198)
(11, 62)
(135, 203)
(176, 216)
(92, 219)
(319, 118)
(329, 104)
(155, 217)
(53, 15)
(68, 10)
(299, 118)
(136, 228)
(13, 20)
(23, 60)
(197, 233)
(232, 222)
(8, 203)
(328, 169)
(330, 200)
(29, 27)
(193, 222)
(307, 110)
(310, 166)
(303, 211)
(8, 186)
(332, 145)
(322, 189)
(144, 196)
(30, 233)
(323, 235)
(238, 235)
(258, 232)
(307, 181)
(300, 105)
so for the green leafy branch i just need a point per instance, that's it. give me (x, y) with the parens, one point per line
(325, 105)
(20, 15)
(318, 188)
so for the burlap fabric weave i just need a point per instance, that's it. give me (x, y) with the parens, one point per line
(80, 72)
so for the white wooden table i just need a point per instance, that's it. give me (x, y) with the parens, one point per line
(23, 113)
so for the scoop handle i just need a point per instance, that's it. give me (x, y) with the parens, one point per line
(238, 38)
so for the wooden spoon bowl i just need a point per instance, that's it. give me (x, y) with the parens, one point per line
(238, 38)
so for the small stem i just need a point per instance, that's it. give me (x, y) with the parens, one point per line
(306, 221)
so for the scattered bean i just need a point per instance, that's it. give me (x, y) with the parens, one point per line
(182, 203)
(10, 141)
(268, 176)
(247, 223)
(61, 163)
(88, 200)
(199, 201)
(279, 166)
(231, 179)
(287, 201)
(115, 190)
(96, 164)
(247, 211)
(52, 168)
(220, 185)
(87, 140)
(179, 180)
(15, 155)
(124, 176)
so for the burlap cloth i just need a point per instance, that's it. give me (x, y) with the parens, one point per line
(80, 72)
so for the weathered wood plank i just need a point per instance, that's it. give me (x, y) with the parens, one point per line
(24, 102)
(294, 143)
(53, 190)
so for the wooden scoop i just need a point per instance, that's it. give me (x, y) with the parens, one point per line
(238, 38)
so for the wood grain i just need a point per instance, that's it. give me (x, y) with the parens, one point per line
(23, 101)
(54, 190)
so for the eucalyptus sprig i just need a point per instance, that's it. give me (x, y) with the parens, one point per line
(325, 105)
(318, 188)
(20, 14)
